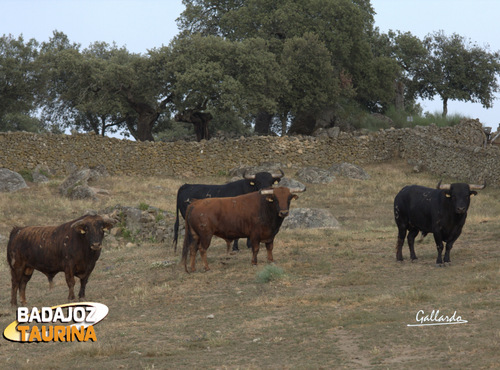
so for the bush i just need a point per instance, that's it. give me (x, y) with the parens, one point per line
(270, 273)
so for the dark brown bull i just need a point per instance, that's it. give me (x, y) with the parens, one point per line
(73, 247)
(257, 216)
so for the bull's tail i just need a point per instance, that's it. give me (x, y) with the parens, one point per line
(188, 239)
(10, 245)
(176, 228)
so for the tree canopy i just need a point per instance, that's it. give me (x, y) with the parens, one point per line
(239, 65)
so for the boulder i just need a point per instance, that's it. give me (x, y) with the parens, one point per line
(315, 175)
(350, 171)
(76, 186)
(11, 181)
(81, 192)
(310, 218)
(291, 183)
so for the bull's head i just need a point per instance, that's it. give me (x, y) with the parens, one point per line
(263, 180)
(92, 227)
(459, 194)
(281, 198)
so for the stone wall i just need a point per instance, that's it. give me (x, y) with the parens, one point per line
(454, 151)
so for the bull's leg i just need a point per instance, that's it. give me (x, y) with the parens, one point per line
(235, 246)
(70, 280)
(412, 234)
(400, 242)
(193, 248)
(16, 282)
(269, 248)
(83, 285)
(255, 251)
(440, 247)
(205, 243)
(449, 245)
(28, 272)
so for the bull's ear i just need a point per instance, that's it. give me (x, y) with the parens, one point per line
(269, 198)
(295, 196)
(106, 226)
(472, 193)
(79, 228)
(276, 182)
(447, 193)
(252, 183)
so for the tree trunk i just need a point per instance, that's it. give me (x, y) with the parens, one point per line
(147, 115)
(284, 124)
(263, 122)
(445, 107)
(200, 121)
(400, 96)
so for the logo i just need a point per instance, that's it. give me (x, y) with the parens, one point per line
(434, 318)
(63, 323)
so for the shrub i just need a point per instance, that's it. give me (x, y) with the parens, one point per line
(270, 273)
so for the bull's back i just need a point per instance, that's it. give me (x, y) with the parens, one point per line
(414, 205)
(229, 217)
(40, 247)
(189, 192)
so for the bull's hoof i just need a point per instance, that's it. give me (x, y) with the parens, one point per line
(439, 265)
(414, 260)
(207, 269)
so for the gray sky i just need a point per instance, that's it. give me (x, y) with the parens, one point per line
(140, 25)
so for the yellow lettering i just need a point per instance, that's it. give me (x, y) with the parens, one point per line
(59, 333)
(47, 333)
(35, 334)
(23, 329)
(90, 334)
(78, 333)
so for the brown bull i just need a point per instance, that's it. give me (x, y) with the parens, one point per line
(73, 247)
(257, 216)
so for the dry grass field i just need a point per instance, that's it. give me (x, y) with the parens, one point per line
(339, 299)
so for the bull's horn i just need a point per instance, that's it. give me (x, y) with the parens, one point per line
(109, 220)
(297, 190)
(443, 186)
(278, 176)
(77, 223)
(248, 177)
(477, 187)
(267, 191)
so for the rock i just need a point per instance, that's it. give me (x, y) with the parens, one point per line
(40, 174)
(291, 183)
(81, 192)
(11, 181)
(310, 218)
(77, 178)
(350, 171)
(315, 175)
(152, 224)
(75, 186)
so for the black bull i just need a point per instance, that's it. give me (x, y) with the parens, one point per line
(440, 211)
(249, 184)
